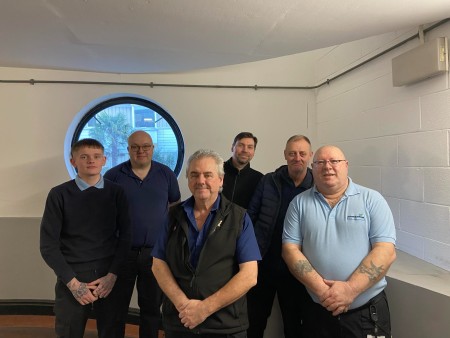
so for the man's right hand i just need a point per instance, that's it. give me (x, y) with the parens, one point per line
(81, 292)
(193, 313)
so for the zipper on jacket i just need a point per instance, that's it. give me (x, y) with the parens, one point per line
(191, 283)
(211, 232)
(234, 185)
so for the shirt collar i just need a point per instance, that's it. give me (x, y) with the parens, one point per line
(83, 185)
(352, 189)
(189, 204)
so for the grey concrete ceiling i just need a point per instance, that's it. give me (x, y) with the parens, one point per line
(151, 36)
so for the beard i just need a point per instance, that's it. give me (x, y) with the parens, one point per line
(242, 161)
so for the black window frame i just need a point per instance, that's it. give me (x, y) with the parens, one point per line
(137, 101)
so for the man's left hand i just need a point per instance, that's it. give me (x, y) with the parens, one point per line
(193, 313)
(103, 285)
(338, 298)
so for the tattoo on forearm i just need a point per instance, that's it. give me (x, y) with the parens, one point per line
(301, 268)
(81, 291)
(373, 272)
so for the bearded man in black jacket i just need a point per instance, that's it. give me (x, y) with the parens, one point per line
(240, 180)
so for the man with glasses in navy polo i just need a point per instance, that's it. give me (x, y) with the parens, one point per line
(150, 187)
(339, 241)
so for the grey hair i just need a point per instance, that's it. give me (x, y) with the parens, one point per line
(296, 138)
(207, 153)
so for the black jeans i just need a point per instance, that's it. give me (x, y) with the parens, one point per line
(275, 278)
(71, 316)
(138, 269)
(356, 323)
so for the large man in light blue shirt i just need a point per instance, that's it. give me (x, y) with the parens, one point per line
(339, 241)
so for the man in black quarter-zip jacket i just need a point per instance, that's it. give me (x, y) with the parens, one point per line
(240, 180)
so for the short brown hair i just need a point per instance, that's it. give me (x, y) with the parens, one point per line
(245, 134)
(86, 142)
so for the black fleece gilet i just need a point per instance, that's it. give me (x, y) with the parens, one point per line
(216, 266)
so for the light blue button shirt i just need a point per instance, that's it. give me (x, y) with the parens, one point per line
(83, 185)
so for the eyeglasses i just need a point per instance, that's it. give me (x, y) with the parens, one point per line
(333, 163)
(145, 147)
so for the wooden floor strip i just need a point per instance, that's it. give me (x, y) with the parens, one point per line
(24, 326)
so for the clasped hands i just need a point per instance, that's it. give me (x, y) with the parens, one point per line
(338, 297)
(192, 313)
(86, 293)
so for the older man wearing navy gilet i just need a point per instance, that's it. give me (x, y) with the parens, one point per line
(150, 188)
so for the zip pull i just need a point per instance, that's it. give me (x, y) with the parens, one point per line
(216, 227)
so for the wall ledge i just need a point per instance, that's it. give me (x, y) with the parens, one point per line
(415, 271)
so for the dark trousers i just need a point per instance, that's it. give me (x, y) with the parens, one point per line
(275, 278)
(357, 323)
(71, 316)
(138, 270)
(174, 334)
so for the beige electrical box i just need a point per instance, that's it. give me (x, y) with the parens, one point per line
(427, 60)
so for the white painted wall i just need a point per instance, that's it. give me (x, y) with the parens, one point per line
(396, 139)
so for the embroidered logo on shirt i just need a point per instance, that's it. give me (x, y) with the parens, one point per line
(359, 217)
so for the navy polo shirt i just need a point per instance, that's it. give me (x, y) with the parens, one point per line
(148, 199)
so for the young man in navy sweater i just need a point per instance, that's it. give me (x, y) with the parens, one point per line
(85, 238)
